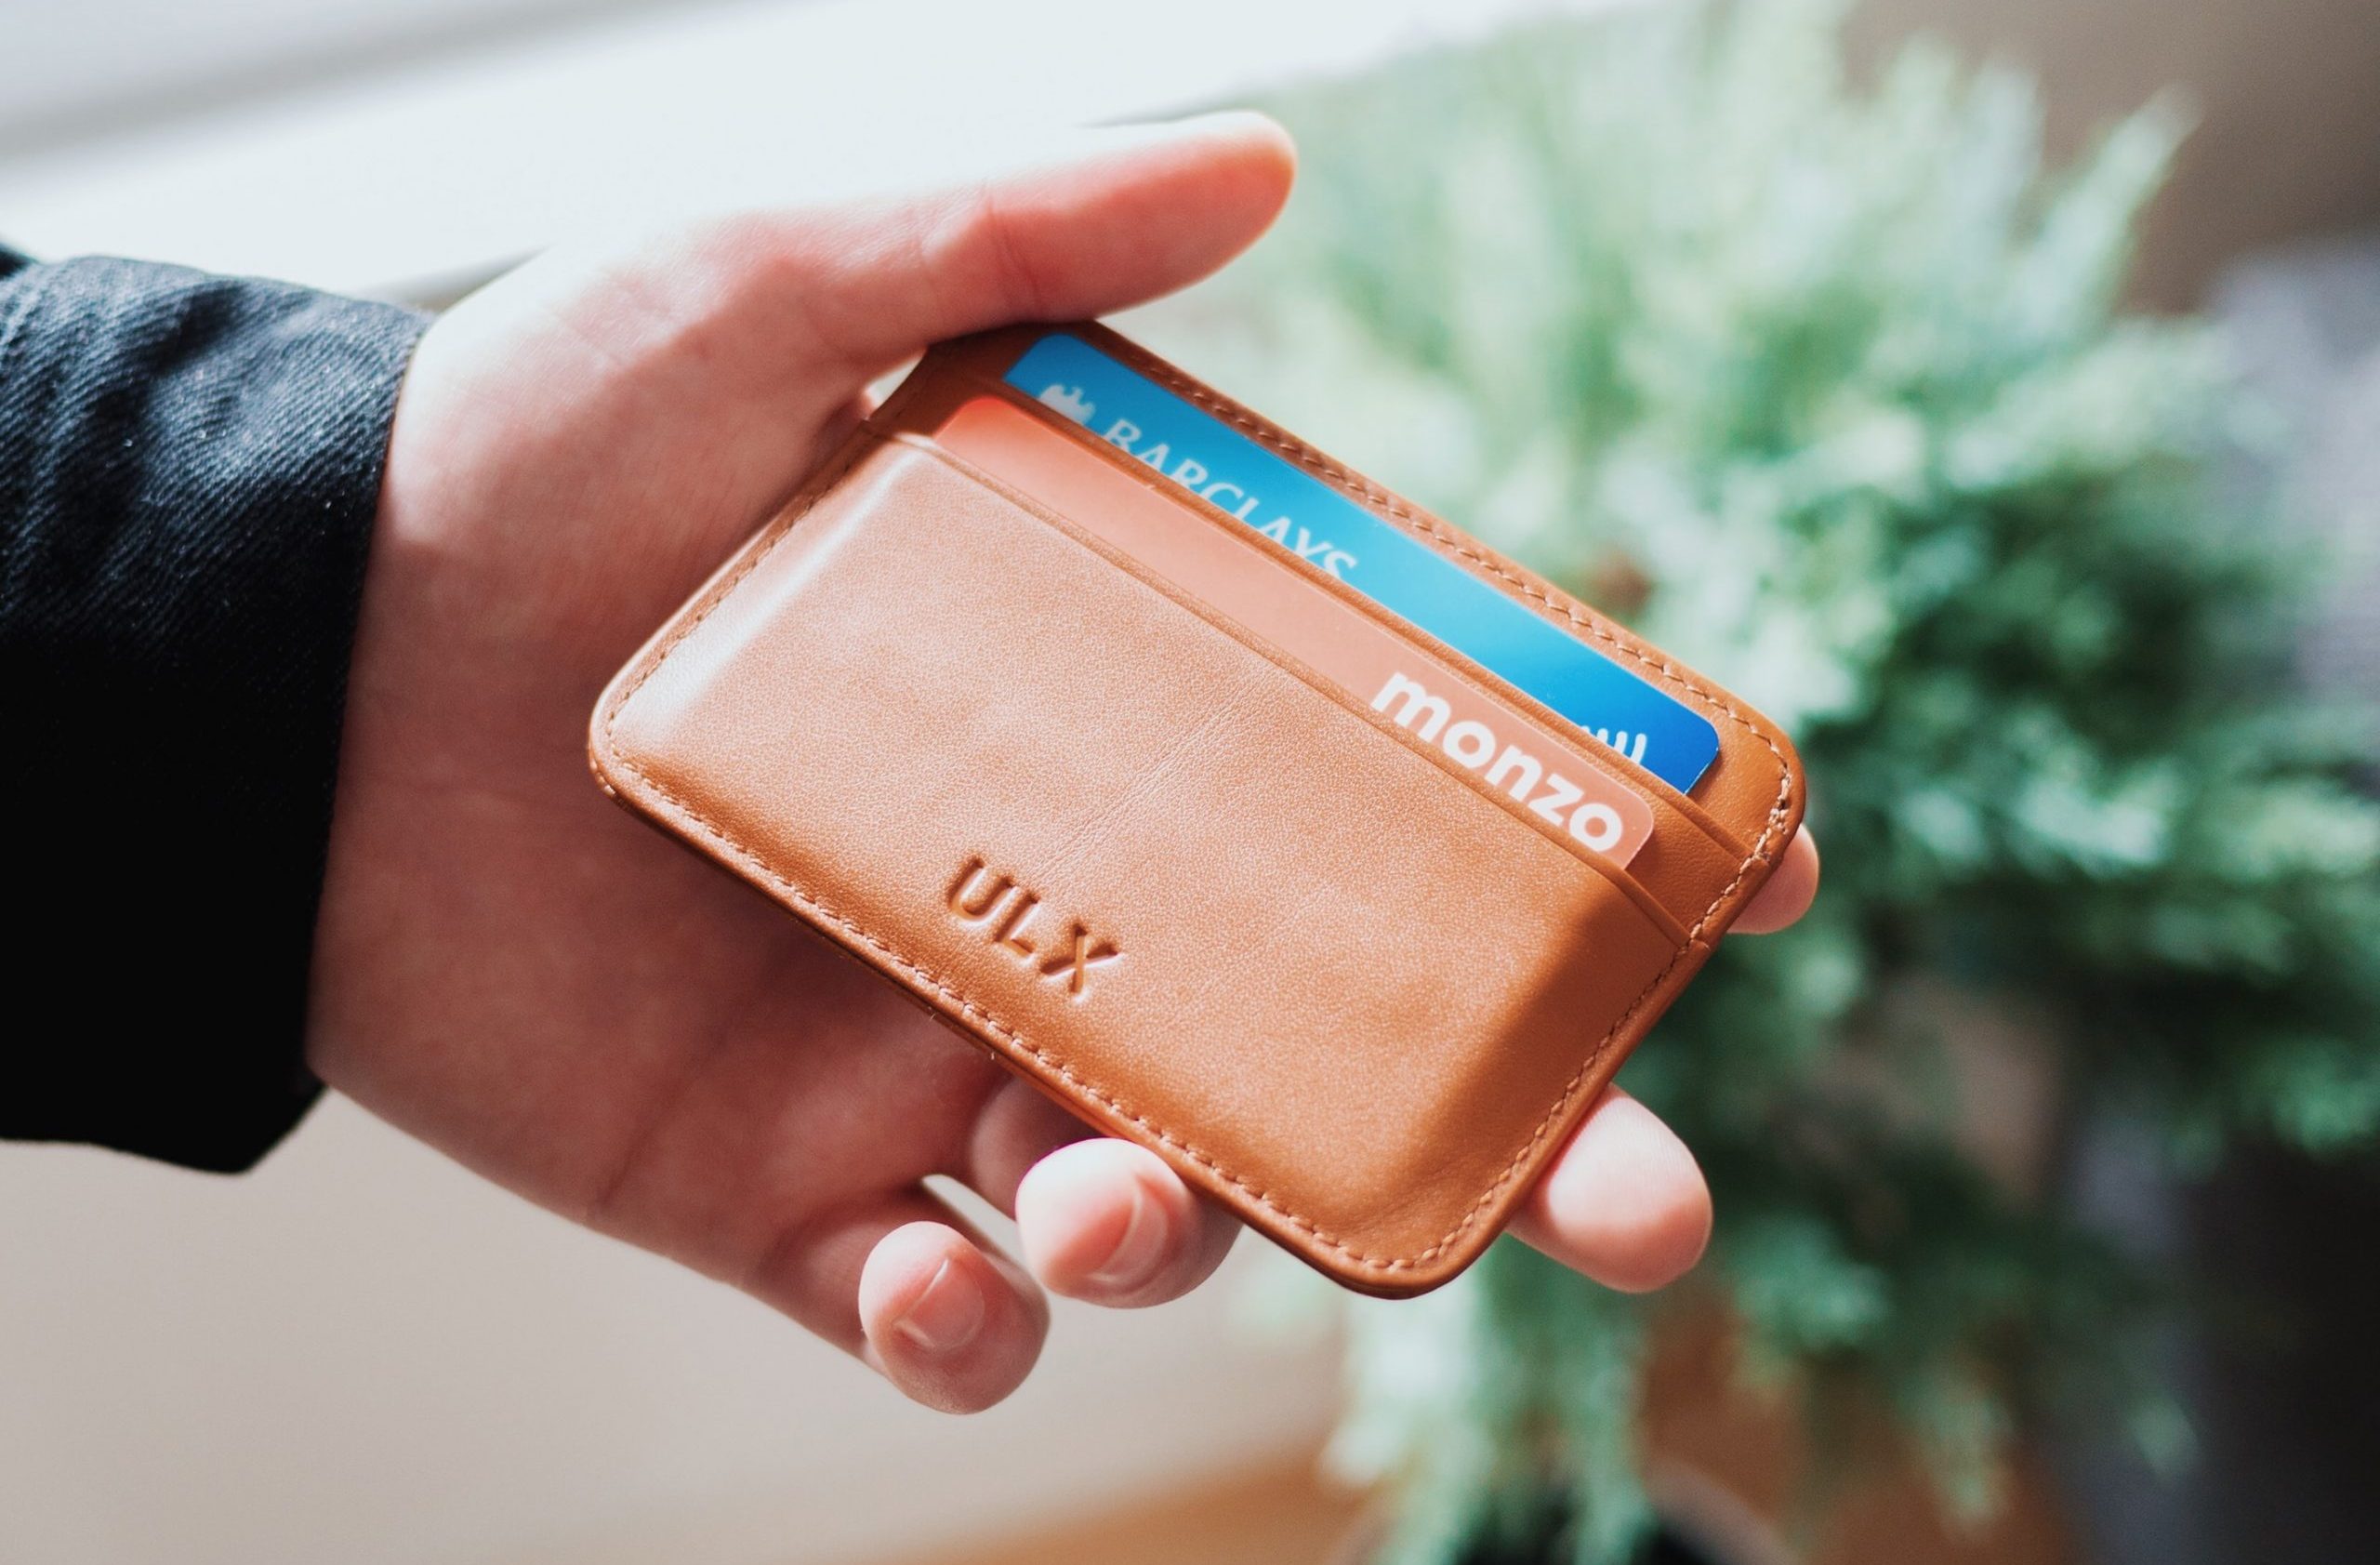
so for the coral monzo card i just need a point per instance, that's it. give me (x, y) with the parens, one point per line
(1250, 811)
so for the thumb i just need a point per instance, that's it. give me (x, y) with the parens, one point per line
(860, 286)
(680, 389)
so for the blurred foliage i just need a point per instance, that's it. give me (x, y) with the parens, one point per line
(1826, 388)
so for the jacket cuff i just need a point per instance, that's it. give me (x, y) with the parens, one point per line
(190, 467)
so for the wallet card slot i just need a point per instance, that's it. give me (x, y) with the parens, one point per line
(1404, 738)
(1754, 778)
(1130, 850)
(1682, 806)
(1700, 862)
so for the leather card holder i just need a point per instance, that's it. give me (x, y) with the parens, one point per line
(1198, 893)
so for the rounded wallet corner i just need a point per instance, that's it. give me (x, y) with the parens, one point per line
(611, 769)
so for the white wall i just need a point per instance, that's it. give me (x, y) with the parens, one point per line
(408, 181)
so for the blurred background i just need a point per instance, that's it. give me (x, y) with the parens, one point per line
(1991, 391)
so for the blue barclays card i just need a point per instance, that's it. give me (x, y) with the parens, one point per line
(1316, 524)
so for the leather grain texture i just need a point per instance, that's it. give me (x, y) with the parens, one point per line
(1195, 893)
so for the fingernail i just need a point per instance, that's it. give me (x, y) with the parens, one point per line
(947, 1315)
(1138, 1249)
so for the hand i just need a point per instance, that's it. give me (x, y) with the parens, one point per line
(513, 969)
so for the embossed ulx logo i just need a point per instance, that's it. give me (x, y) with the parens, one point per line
(1003, 911)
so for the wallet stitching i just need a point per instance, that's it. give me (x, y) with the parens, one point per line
(1346, 478)
(1665, 920)
(1066, 1072)
(1729, 843)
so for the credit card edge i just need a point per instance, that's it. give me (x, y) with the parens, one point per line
(1481, 685)
(1614, 765)
(1330, 690)
(1359, 490)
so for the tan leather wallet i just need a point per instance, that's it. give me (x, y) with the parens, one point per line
(1174, 874)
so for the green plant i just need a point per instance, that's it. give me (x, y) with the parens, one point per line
(1826, 389)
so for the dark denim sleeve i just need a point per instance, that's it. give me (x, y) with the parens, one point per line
(189, 469)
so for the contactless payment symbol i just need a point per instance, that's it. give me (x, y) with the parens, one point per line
(1067, 400)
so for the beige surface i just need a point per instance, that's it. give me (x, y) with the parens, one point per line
(362, 1354)
(1282, 1514)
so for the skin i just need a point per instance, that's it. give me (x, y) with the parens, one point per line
(510, 968)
